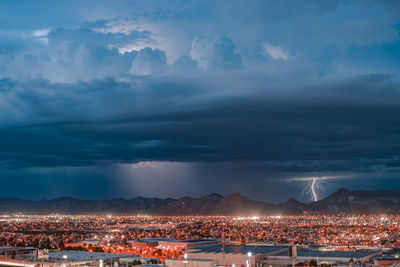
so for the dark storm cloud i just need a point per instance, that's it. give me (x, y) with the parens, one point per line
(348, 126)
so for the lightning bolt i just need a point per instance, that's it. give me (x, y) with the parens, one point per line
(314, 181)
(315, 185)
(312, 187)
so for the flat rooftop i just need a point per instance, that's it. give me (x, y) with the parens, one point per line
(85, 255)
(192, 260)
(329, 254)
(137, 258)
(237, 249)
(9, 248)
(153, 240)
(191, 241)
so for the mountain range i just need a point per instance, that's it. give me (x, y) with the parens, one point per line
(343, 201)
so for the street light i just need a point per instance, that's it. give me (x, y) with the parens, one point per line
(64, 257)
(248, 262)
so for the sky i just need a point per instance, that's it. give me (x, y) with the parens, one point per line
(172, 98)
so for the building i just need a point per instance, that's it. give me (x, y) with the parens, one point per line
(190, 262)
(183, 245)
(226, 255)
(330, 257)
(8, 252)
(131, 261)
(266, 256)
(28, 258)
(172, 244)
(70, 257)
(387, 259)
(146, 243)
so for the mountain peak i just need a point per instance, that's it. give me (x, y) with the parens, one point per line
(236, 195)
(64, 198)
(342, 201)
(292, 206)
(214, 195)
(293, 201)
(342, 190)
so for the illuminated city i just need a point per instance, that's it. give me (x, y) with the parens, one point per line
(164, 238)
(116, 233)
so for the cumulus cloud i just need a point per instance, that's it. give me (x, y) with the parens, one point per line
(68, 55)
(149, 61)
(117, 26)
(41, 35)
(217, 52)
(275, 52)
(185, 64)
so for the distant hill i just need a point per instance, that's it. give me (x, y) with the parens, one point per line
(212, 204)
(359, 202)
(292, 206)
(342, 201)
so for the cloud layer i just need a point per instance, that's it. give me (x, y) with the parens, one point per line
(279, 89)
